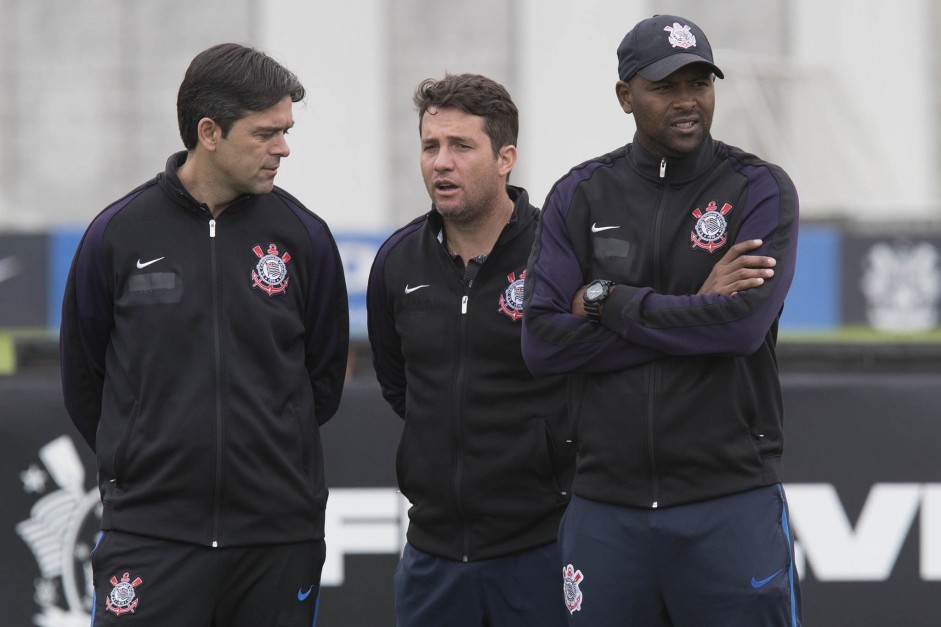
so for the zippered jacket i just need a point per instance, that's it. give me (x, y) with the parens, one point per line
(200, 357)
(485, 456)
(676, 396)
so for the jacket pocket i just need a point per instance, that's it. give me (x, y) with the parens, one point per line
(559, 458)
(400, 454)
(120, 452)
(304, 435)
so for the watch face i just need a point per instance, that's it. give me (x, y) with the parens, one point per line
(595, 291)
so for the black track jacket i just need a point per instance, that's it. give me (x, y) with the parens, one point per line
(676, 396)
(199, 358)
(486, 457)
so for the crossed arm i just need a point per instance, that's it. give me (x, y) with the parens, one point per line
(734, 273)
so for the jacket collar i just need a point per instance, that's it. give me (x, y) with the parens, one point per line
(676, 169)
(170, 182)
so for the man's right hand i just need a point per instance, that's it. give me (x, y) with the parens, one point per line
(737, 272)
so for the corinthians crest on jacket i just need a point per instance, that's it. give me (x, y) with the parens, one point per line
(511, 300)
(271, 272)
(710, 231)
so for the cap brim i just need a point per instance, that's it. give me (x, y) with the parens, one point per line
(659, 70)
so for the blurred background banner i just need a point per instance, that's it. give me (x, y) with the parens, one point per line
(863, 483)
(24, 281)
(843, 94)
(892, 282)
(845, 279)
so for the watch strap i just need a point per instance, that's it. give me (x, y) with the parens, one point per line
(593, 307)
(593, 311)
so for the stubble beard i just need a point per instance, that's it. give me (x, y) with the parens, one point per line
(467, 211)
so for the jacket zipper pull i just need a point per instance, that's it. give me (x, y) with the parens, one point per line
(212, 228)
(663, 168)
(464, 305)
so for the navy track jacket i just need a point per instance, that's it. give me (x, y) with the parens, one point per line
(676, 396)
(486, 454)
(200, 357)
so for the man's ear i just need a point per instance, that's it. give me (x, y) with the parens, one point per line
(208, 134)
(623, 91)
(506, 159)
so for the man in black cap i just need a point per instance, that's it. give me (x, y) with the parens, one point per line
(678, 515)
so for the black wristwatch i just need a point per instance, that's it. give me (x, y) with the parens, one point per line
(595, 294)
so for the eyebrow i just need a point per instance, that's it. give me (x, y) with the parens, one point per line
(464, 139)
(273, 127)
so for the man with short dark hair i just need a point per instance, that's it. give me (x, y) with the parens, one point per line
(486, 453)
(678, 516)
(204, 341)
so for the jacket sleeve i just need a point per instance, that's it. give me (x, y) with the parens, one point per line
(698, 325)
(87, 320)
(639, 324)
(553, 339)
(328, 324)
(388, 361)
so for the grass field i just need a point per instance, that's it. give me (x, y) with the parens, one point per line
(845, 335)
(860, 335)
(7, 354)
(8, 338)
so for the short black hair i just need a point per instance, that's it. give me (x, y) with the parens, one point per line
(228, 81)
(476, 95)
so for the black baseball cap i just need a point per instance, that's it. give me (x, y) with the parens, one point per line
(660, 45)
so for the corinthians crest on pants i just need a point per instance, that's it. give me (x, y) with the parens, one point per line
(123, 598)
(511, 300)
(710, 232)
(573, 594)
(271, 272)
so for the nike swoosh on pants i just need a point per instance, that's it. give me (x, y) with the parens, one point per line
(755, 583)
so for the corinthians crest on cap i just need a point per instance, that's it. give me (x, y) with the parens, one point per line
(680, 36)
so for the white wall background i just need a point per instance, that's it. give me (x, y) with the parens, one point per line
(339, 145)
(568, 109)
(866, 117)
(842, 93)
